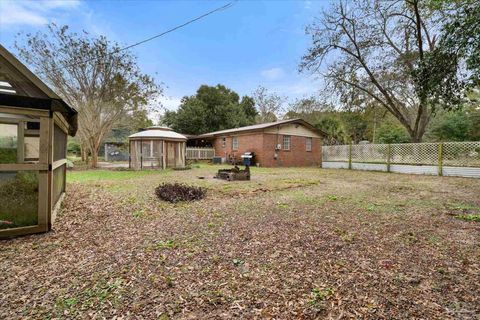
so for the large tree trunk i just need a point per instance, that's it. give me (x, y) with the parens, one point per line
(83, 152)
(94, 148)
(95, 159)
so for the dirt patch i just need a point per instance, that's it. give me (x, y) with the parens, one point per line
(289, 244)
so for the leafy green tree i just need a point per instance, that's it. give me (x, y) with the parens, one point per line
(248, 106)
(334, 128)
(373, 48)
(453, 67)
(94, 75)
(453, 126)
(390, 132)
(211, 109)
(355, 125)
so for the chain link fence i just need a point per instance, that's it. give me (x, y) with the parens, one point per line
(447, 158)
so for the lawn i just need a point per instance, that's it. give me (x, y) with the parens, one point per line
(292, 243)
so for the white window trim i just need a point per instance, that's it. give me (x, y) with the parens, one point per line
(234, 143)
(308, 144)
(289, 142)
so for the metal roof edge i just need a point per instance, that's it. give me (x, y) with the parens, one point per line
(267, 125)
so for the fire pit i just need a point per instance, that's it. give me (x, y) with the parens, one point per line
(234, 174)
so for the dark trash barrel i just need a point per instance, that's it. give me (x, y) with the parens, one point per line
(248, 158)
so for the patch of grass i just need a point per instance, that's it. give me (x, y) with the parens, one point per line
(410, 237)
(463, 207)
(237, 262)
(214, 224)
(109, 292)
(182, 168)
(348, 237)
(469, 217)
(70, 302)
(161, 245)
(332, 197)
(433, 239)
(302, 182)
(299, 196)
(170, 281)
(319, 296)
(103, 291)
(110, 175)
(137, 213)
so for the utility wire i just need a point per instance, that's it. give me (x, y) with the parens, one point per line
(228, 5)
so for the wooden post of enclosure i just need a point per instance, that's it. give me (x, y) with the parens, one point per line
(389, 156)
(21, 142)
(130, 154)
(141, 154)
(350, 155)
(440, 159)
(164, 155)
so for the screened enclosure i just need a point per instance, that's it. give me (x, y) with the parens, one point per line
(157, 148)
(34, 124)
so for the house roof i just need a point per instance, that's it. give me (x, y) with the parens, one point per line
(19, 87)
(261, 126)
(158, 132)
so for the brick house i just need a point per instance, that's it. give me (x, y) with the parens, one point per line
(287, 143)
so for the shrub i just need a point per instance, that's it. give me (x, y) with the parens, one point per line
(176, 192)
(182, 168)
(18, 199)
(8, 155)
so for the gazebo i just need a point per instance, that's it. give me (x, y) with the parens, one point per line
(34, 124)
(157, 148)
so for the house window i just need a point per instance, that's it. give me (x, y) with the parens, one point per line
(286, 142)
(308, 144)
(235, 143)
(224, 142)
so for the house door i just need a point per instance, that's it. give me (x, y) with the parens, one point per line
(170, 154)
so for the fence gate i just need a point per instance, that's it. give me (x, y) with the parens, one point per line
(444, 158)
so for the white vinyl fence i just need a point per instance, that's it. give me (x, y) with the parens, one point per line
(200, 153)
(444, 159)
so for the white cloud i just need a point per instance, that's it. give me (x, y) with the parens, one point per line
(304, 87)
(32, 13)
(170, 103)
(273, 73)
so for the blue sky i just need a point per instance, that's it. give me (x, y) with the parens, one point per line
(252, 43)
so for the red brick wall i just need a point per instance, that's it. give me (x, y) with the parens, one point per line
(297, 156)
(246, 143)
(264, 147)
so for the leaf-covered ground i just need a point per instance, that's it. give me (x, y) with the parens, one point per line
(290, 244)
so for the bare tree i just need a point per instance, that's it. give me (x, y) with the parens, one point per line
(94, 75)
(374, 47)
(269, 105)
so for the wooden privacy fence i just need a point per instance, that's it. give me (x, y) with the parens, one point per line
(200, 153)
(444, 158)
